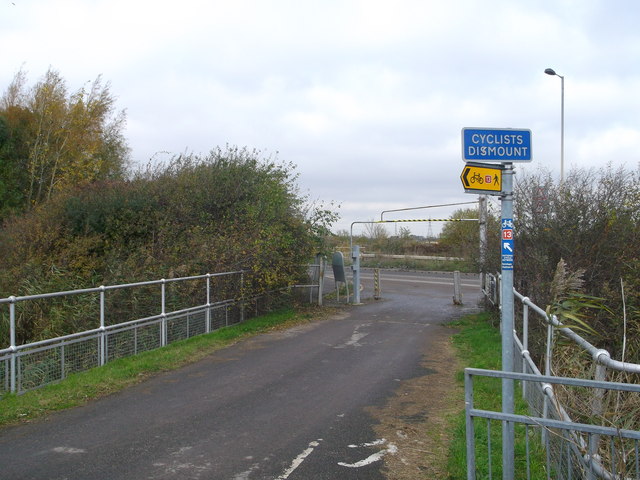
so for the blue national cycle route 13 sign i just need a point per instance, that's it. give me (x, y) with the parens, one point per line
(507, 244)
(496, 145)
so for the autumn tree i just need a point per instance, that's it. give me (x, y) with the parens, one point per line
(51, 139)
(462, 237)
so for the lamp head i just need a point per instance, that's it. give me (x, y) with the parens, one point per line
(550, 71)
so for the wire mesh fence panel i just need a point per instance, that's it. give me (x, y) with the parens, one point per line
(39, 367)
(5, 329)
(185, 326)
(534, 395)
(218, 317)
(562, 445)
(251, 308)
(81, 355)
(148, 337)
(5, 375)
(196, 323)
(235, 314)
(177, 328)
(121, 343)
(132, 340)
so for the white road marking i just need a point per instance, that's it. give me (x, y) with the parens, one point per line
(245, 475)
(391, 448)
(69, 450)
(181, 451)
(356, 336)
(382, 441)
(299, 459)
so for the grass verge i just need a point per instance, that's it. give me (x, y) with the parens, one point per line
(479, 345)
(79, 388)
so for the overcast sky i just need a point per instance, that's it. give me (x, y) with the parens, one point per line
(367, 98)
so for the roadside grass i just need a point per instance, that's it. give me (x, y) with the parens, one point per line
(478, 344)
(79, 388)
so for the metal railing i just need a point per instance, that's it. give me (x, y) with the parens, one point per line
(544, 401)
(186, 307)
(567, 453)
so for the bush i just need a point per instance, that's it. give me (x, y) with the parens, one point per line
(591, 223)
(228, 210)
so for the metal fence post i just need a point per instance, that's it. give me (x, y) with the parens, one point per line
(596, 411)
(207, 315)
(102, 327)
(163, 324)
(525, 341)
(12, 341)
(321, 266)
(242, 296)
(506, 316)
(547, 371)
(468, 406)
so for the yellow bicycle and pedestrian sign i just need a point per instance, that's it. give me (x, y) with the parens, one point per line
(483, 178)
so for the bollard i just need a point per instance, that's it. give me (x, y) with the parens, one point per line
(457, 289)
(355, 256)
(376, 283)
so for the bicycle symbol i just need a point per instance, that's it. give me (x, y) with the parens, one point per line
(476, 177)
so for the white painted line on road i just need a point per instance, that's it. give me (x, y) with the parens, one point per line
(70, 450)
(392, 449)
(375, 443)
(354, 341)
(246, 474)
(299, 459)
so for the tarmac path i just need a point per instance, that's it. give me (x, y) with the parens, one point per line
(286, 405)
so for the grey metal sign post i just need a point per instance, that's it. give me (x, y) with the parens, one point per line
(502, 146)
(506, 296)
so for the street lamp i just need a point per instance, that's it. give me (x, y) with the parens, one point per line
(551, 71)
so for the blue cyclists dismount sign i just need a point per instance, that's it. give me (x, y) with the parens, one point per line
(496, 145)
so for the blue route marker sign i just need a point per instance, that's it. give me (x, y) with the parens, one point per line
(505, 145)
(507, 244)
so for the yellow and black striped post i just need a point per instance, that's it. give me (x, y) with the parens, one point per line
(376, 283)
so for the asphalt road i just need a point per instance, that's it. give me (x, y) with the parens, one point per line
(287, 405)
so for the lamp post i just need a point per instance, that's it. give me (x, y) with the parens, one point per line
(551, 71)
